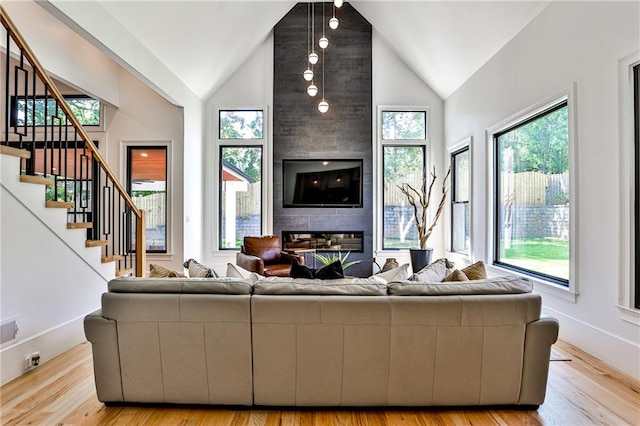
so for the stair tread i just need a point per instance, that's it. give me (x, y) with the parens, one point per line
(16, 152)
(79, 225)
(95, 243)
(124, 272)
(59, 204)
(113, 258)
(36, 179)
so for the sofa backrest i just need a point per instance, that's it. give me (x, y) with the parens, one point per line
(391, 350)
(226, 285)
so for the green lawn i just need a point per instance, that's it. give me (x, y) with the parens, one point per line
(546, 255)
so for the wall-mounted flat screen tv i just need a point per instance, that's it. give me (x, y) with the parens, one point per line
(322, 183)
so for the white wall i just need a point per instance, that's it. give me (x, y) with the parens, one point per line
(250, 86)
(48, 279)
(64, 54)
(569, 42)
(395, 84)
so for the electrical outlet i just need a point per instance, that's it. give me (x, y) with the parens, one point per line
(35, 358)
(27, 362)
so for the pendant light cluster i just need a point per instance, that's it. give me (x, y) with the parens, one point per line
(323, 43)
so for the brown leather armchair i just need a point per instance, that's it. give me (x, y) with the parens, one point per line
(263, 256)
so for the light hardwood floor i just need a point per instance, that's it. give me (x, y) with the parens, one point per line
(583, 391)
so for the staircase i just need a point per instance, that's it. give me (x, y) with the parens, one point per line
(42, 143)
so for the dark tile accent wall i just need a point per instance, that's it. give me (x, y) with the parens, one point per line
(301, 131)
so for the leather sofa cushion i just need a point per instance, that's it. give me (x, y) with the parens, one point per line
(510, 284)
(344, 286)
(180, 285)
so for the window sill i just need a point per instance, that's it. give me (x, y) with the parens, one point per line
(540, 285)
(160, 256)
(629, 314)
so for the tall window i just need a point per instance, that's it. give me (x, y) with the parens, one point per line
(147, 184)
(460, 201)
(403, 139)
(532, 221)
(636, 203)
(241, 154)
(45, 111)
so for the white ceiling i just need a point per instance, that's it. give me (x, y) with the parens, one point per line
(204, 42)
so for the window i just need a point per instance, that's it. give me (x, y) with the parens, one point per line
(531, 216)
(636, 202)
(240, 194)
(240, 175)
(147, 185)
(460, 201)
(25, 110)
(244, 124)
(404, 125)
(403, 138)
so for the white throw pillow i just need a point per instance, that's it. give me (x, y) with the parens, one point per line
(433, 272)
(198, 270)
(239, 272)
(399, 273)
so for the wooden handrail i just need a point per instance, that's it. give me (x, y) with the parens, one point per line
(44, 76)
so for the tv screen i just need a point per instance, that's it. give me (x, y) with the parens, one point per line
(322, 183)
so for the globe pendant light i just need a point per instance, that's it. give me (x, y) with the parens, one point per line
(333, 22)
(308, 74)
(323, 106)
(338, 3)
(312, 90)
(324, 41)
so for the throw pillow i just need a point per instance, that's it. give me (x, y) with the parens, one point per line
(235, 271)
(433, 272)
(199, 270)
(476, 271)
(157, 271)
(396, 274)
(330, 272)
(456, 275)
(300, 271)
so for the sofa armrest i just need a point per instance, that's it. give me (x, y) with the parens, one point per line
(250, 263)
(540, 335)
(288, 257)
(103, 335)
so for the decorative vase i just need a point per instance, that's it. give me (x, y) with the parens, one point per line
(389, 264)
(420, 258)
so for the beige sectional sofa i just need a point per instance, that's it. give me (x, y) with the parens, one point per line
(296, 342)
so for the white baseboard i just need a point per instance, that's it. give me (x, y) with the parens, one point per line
(616, 351)
(49, 343)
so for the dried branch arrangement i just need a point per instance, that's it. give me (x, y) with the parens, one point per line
(420, 200)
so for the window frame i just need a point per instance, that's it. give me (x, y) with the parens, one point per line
(219, 130)
(424, 161)
(129, 180)
(459, 148)
(14, 102)
(568, 291)
(629, 285)
(635, 273)
(220, 192)
(378, 196)
(214, 172)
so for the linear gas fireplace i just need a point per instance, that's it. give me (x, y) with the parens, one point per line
(323, 240)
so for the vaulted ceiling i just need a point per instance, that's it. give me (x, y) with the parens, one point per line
(204, 42)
